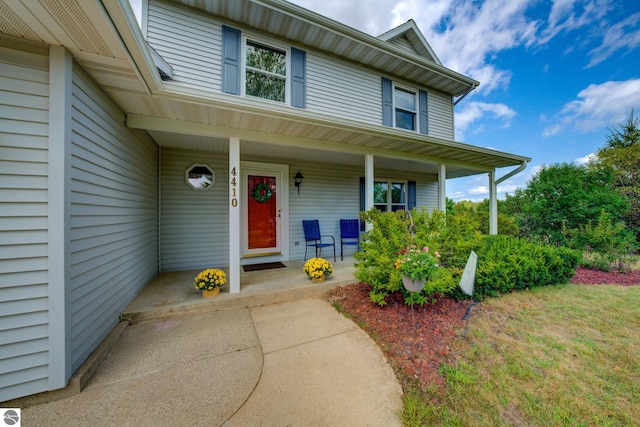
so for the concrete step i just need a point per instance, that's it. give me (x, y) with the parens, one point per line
(150, 304)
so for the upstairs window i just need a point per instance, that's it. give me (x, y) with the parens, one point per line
(265, 72)
(405, 105)
(404, 108)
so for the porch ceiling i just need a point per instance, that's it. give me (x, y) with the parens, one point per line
(287, 128)
(254, 150)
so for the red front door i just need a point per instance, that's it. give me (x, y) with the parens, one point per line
(262, 211)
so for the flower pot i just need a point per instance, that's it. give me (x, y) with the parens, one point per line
(412, 285)
(318, 279)
(208, 293)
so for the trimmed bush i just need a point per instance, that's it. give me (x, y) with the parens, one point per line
(505, 263)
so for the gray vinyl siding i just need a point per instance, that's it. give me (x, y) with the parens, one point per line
(188, 40)
(440, 115)
(24, 332)
(428, 194)
(343, 90)
(328, 193)
(191, 42)
(113, 216)
(194, 223)
(404, 44)
(331, 192)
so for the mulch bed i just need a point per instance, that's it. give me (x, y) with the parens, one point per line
(596, 277)
(416, 350)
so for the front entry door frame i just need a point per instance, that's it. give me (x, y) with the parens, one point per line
(281, 172)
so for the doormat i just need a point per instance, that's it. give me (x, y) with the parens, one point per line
(265, 266)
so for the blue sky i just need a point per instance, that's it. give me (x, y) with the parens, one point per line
(555, 75)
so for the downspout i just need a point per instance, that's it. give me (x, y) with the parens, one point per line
(520, 168)
(493, 195)
(472, 87)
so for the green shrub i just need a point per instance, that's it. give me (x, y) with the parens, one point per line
(507, 263)
(608, 245)
(379, 249)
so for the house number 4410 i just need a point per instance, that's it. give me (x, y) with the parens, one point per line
(234, 188)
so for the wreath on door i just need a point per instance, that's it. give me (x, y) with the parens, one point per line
(262, 193)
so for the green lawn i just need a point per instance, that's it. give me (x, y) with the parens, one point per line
(555, 356)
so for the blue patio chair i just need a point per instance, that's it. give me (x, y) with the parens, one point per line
(349, 234)
(313, 237)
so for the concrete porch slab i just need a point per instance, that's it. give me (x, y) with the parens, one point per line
(174, 294)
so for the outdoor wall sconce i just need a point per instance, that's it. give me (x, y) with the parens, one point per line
(297, 180)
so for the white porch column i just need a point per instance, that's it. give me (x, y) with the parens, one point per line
(60, 87)
(493, 203)
(442, 188)
(234, 215)
(368, 184)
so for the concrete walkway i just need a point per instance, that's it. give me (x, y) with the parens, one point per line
(297, 363)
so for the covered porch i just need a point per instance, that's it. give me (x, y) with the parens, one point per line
(174, 293)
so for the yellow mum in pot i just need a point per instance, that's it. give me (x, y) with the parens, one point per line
(318, 267)
(209, 279)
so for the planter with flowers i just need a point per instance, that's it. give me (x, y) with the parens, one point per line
(417, 266)
(209, 281)
(318, 269)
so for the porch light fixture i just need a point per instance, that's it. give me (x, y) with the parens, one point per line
(297, 180)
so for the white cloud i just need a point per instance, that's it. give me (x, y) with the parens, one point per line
(457, 196)
(465, 35)
(551, 130)
(473, 111)
(586, 159)
(369, 16)
(598, 106)
(569, 15)
(476, 188)
(623, 35)
(479, 191)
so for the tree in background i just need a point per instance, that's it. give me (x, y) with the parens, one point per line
(480, 212)
(622, 153)
(564, 197)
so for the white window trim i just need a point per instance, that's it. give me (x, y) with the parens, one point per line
(390, 182)
(416, 93)
(274, 45)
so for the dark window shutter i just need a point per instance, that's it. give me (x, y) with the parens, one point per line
(387, 102)
(411, 197)
(298, 78)
(230, 60)
(424, 117)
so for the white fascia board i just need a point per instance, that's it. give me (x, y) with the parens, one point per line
(135, 121)
(183, 93)
(410, 27)
(127, 28)
(363, 38)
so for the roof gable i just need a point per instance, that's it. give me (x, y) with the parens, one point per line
(409, 38)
